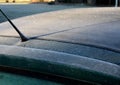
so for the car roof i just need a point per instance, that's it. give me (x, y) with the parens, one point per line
(95, 28)
(66, 33)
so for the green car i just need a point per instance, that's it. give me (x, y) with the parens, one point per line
(79, 46)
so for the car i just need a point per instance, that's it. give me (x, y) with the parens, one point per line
(91, 2)
(72, 46)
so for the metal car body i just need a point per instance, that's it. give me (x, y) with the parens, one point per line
(79, 45)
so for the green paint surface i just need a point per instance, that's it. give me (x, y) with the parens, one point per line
(13, 79)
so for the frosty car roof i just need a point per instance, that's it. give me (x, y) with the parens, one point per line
(72, 27)
(65, 29)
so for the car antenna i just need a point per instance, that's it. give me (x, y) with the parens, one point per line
(23, 37)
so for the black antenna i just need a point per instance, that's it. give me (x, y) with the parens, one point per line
(23, 38)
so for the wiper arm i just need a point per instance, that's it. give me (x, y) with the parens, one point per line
(23, 37)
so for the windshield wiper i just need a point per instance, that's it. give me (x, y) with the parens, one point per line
(23, 37)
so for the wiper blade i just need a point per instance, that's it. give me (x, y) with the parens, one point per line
(23, 37)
